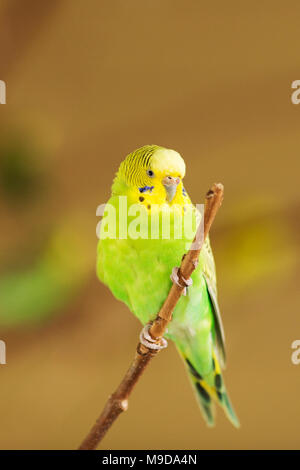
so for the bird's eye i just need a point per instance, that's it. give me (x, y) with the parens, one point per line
(150, 173)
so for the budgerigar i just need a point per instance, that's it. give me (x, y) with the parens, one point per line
(137, 269)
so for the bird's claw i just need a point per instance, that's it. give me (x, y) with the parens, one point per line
(175, 278)
(150, 343)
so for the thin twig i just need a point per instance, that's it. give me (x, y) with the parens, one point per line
(118, 401)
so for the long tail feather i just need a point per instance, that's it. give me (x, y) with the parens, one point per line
(207, 394)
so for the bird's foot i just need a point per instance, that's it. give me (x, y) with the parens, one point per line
(150, 343)
(175, 279)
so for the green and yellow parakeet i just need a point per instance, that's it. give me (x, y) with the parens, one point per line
(137, 268)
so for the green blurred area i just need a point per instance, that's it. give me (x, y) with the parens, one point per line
(87, 82)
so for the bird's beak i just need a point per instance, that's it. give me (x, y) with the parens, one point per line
(170, 184)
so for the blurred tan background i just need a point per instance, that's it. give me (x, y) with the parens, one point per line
(87, 82)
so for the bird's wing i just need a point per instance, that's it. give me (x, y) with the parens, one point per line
(211, 283)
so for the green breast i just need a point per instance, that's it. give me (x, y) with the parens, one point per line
(137, 271)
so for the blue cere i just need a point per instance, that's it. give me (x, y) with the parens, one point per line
(146, 188)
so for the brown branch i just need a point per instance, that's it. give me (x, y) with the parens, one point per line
(118, 401)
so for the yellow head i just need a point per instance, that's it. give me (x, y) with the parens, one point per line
(152, 174)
